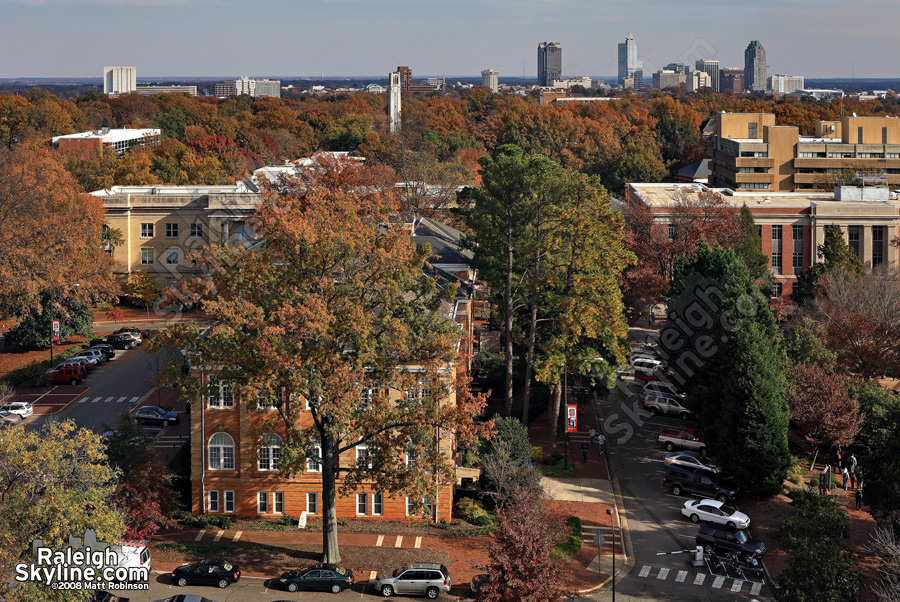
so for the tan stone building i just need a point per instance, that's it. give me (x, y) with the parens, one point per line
(751, 152)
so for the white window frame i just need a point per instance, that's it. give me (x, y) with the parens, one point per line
(278, 502)
(411, 456)
(377, 504)
(269, 452)
(414, 510)
(262, 502)
(362, 501)
(364, 454)
(219, 452)
(147, 230)
(148, 255)
(220, 393)
(367, 397)
(314, 464)
(229, 501)
(312, 503)
(212, 501)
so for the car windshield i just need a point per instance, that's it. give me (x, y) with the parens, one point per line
(727, 510)
(741, 536)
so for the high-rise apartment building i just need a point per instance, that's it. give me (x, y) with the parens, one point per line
(405, 76)
(732, 79)
(697, 80)
(755, 67)
(629, 65)
(224, 89)
(394, 86)
(711, 68)
(121, 79)
(668, 78)
(258, 87)
(785, 84)
(490, 79)
(549, 63)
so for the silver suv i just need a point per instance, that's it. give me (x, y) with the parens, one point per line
(420, 578)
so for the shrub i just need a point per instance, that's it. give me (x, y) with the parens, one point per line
(571, 545)
(472, 511)
(537, 452)
(202, 521)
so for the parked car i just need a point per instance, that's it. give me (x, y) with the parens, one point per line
(660, 403)
(420, 578)
(646, 355)
(88, 363)
(682, 439)
(186, 598)
(714, 511)
(722, 541)
(22, 408)
(119, 341)
(7, 418)
(106, 348)
(698, 482)
(101, 596)
(662, 387)
(647, 369)
(154, 414)
(134, 335)
(81, 370)
(207, 572)
(141, 332)
(94, 353)
(692, 460)
(321, 577)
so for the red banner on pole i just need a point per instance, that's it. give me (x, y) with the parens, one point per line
(54, 328)
(571, 418)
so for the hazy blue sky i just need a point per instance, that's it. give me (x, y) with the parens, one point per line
(75, 38)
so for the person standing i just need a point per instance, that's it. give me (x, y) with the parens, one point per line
(852, 480)
(601, 443)
(852, 462)
(593, 435)
(859, 497)
(584, 451)
(845, 475)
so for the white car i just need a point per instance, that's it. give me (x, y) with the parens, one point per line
(22, 408)
(658, 386)
(646, 366)
(644, 355)
(714, 511)
(691, 459)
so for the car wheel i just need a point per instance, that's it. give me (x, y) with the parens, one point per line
(432, 593)
(73, 381)
(653, 410)
(336, 588)
(685, 416)
(670, 446)
(223, 583)
(387, 591)
(676, 489)
(722, 497)
(731, 526)
(181, 582)
(292, 587)
(695, 518)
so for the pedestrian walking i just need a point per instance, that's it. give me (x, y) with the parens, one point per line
(852, 480)
(845, 475)
(584, 450)
(650, 319)
(601, 443)
(593, 435)
(859, 497)
(852, 462)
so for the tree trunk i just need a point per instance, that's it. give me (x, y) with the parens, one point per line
(554, 416)
(532, 330)
(508, 294)
(331, 553)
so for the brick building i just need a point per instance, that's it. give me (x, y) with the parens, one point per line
(84, 144)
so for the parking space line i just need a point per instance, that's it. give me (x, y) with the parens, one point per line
(663, 573)
(379, 541)
(645, 570)
(680, 577)
(754, 589)
(418, 542)
(237, 536)
(737, 585)
(200, 535)
(218, 536)
(699, 579)
(718, 582)
(399, 541)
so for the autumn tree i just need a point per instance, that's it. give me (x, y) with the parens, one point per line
(332, 314)
(521, 567)
(143, 288)
(833, 253)
(822, 409)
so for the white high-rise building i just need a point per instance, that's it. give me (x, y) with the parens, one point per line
(120, 79)
(490, 78)
(629, 65)
(394, 101)
(785, 84)
(711, 68)
(258, 87)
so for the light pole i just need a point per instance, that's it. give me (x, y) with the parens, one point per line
(613, 527)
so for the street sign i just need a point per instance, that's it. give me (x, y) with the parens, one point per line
(571, 418)
(54, 329)
(599, 540)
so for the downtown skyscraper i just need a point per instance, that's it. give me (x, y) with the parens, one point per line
(549, 63)
(755, 67)
(629, 65)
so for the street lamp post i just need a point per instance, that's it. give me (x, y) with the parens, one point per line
(613, 527)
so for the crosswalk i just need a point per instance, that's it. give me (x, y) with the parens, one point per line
(113, 399)
(719, 582)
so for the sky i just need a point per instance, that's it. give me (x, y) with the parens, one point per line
(304, 38)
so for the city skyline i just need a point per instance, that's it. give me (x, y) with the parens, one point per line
(343, 38)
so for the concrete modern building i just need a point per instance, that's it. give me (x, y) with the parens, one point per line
(549, 63)
(668, 79)
(258, 87)
(785, 84)
(818, 93)
(629, 65)
(749, 151)
(151, 90)
(678, 68)
(85, 144)
(697, 80)
(224, 89)
(405, 76)
(490, 79)
(567, 84)
(792, 224)
(394, 108)
(711, 68)
(120, 79)
(755, 67)
(731, 79)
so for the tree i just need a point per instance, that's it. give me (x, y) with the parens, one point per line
(805, 343)
(879, 465)
(34, 328)
(834, 252)
(143, 288)
(332, 309)
(56, 484)
(821, 407)
(750, 249)
(514, 434)
(506, 474)
(885, 545)
(521, 567)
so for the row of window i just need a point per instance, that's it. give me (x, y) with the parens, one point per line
(220, 394)
(147, 230)
(367, 504)
(171, 256)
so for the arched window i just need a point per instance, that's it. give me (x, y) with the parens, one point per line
(221, 452)
(269, 452)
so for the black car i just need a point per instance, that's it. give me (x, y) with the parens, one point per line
(322, 577)
(206, 572)
(721, 540)
(101, 596)
(154, 414)
(681, 479)
(106, 348)
(119, 341)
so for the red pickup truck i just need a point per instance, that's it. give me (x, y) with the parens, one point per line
(682, 439)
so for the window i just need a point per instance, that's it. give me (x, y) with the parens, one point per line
(377, 504)
(171, 230)
(279, 502)
(269, 452)
(410, 456)
(672, 231)
(859, 135)
(853, 238)
(884, 135)
(776, 290)
(146, 256)
(753, 130)
(221, 394)
(312, 503)
(877, 245)
(776, 247)
(213, 502)
(221, 452)
(362, 504)
(797, 255)
(363, 456)
(196, 230)
(314, 454)
(229, 501)
(368, 396)
(146, 230)
(411, 506)
(764, 185)
(171, 256)
(429, 508)
(262, 502)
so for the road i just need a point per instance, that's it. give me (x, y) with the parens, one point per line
(659, 533)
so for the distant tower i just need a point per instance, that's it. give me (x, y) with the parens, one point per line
(394, 102)
(755, 67)
(712, 68)
(121, 79)
(549, 63)
(490, 78)
(629, 65)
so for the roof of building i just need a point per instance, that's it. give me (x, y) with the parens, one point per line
(110, 136)
(166, 190)
(696, 170)
(445, 241)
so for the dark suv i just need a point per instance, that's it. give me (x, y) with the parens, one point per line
(718, 539)
(698, 482)
(119, 341)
